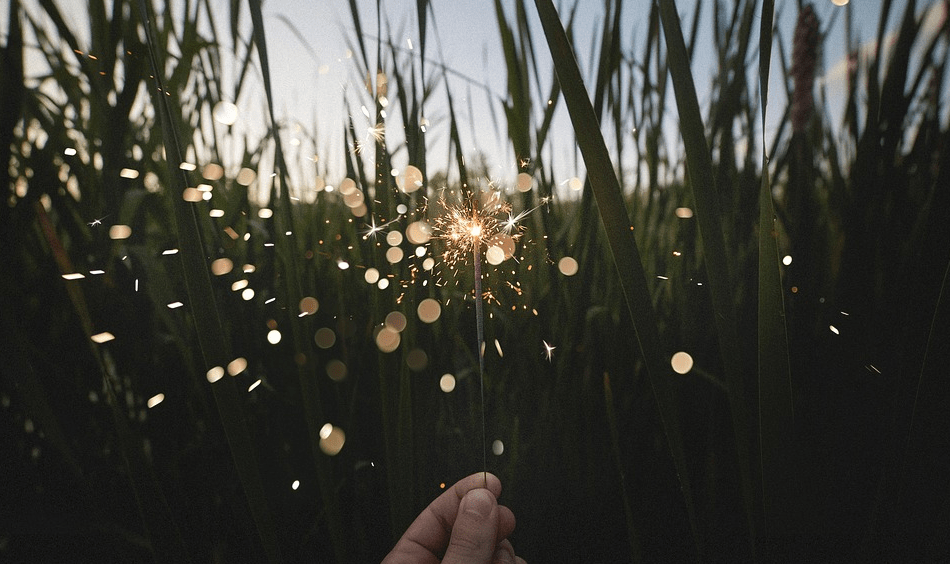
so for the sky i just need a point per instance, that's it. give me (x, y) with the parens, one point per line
(316, 81)
(467, 33)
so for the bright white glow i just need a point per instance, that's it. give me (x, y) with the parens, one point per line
(155, 400)
(214, 374)
(273, 336)
(497, 447)
(447, 383)
(681, 362)
(787, 260)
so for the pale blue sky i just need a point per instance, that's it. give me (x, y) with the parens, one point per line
(468, 33)
(312, 71)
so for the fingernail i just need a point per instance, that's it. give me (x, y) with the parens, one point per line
(478, 503)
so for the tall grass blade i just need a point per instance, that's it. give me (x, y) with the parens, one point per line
(209, 330)
(620, 237)
(699, 166)
(776, 412)
(310, 397)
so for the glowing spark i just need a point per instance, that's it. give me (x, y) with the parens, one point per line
(548, 350)
(96, 222)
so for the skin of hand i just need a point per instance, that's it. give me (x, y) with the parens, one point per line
(464, 525)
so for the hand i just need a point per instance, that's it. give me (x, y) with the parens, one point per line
(464, 525)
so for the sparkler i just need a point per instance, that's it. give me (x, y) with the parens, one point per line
(467, 227)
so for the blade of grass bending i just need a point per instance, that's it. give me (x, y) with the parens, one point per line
(620, 237)
(209, 331)
(309, 392)
(632, 536)
(699, 166)
(776, 410)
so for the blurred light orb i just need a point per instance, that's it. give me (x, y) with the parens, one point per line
(411, 179)
(497, 447)
(396, 320)
(567, 266)
(681, 362)
(402, 208)
(103, 337)
(332, 443)
(575, 184)
(246, 176)
(447, 383)
(417, 360)
(120, 232)
(494, 255)
(394, 238)
(371, 275)
(684, 213)
(214, 374)
(324, 338)
(236, 366)
(419, 232)
(225, 113)
(428, 264)
(394, 255)
(524, 182)
(212, 171)
(192, 195)
(387, 340)
(336, 370)
(383, 283)
(247, 294)
(273, 336)
(429, 310)
(504, 242)
(840, 2)
(309, 305)
(787, 260)
(295, 485)
(347, 186)
(342, 265)
(155, 400)
(265, 213)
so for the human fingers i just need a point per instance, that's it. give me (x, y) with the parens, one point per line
(506, 522)
(474, 535)
(505, 554)
(428, 536)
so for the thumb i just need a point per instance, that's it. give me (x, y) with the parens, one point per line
(476, 526)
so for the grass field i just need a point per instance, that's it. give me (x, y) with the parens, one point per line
(218, 350)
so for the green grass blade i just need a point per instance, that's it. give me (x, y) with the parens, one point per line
(620, 237)
(699, 166)
(209, 330)
(776, 410)
(289, 253)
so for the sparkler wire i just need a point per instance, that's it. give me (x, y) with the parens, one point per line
(480, 335)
